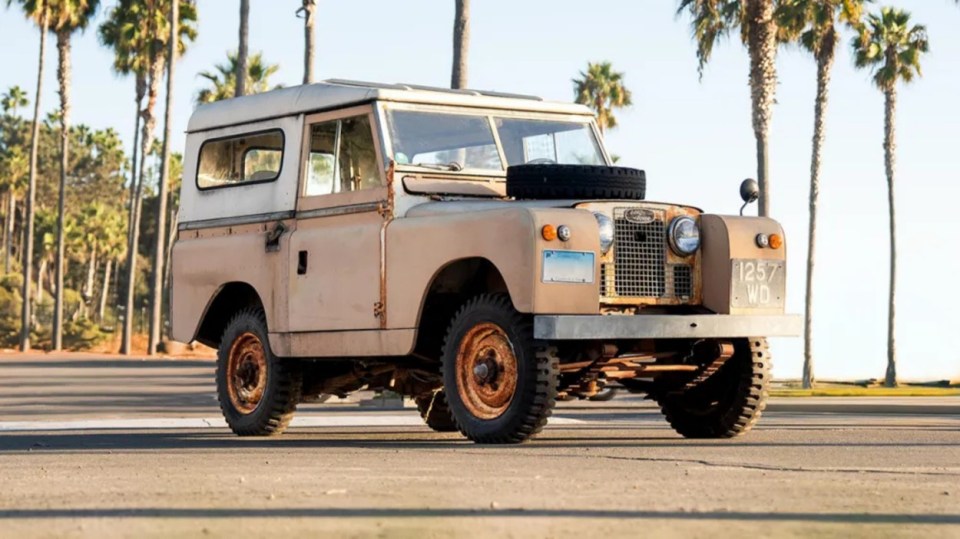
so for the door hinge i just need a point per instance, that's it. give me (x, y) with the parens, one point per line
(383, 208)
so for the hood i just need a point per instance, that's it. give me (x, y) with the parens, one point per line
(444, 207)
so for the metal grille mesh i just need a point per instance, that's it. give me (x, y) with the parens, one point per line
(639, 256)
(640, 268)
(682, 280)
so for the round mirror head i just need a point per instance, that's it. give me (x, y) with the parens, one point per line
(749, 190)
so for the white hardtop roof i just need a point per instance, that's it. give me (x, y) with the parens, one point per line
(336, 93)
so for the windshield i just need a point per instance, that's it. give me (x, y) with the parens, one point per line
(544, 141)
(457, 142)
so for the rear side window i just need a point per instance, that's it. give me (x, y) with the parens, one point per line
(241, 159)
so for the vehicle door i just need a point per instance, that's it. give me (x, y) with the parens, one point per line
(335, 250)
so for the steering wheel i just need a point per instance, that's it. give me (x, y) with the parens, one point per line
(541, 161)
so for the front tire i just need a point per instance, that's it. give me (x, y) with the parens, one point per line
(727, 404)
(258, 392)
(500, 386)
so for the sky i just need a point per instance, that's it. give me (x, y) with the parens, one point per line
(692, 136)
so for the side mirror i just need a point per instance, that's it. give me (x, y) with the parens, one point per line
(749, 192)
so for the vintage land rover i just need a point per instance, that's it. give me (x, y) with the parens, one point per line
(475, 251)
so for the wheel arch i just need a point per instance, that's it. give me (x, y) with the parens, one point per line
(228, 299)
(450, 286)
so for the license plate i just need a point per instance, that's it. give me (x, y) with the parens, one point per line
(758, 283)
(568, 266)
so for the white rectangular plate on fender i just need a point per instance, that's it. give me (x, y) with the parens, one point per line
(568, 266)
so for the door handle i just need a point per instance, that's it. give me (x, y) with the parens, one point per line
(273, 237)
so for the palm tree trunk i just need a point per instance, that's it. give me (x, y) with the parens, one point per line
(824, 67)
(63, 75)
(25, 314)
(91, 273)
(241, 86)
(160, 249)
(146, 140)
(762, 45)
(890, 150)
(41, 274)
(461, 44)
(309, 41)
(141, 90)
(8, 231)
(105, 290)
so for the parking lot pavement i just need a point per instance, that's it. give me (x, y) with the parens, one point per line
(601, 469)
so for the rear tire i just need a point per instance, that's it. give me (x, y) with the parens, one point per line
(727, 404)
(258, 392)
(436, 412)
(500, 386)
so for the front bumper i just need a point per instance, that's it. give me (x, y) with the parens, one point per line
(664, 326)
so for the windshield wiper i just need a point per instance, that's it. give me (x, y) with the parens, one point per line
(452, 166)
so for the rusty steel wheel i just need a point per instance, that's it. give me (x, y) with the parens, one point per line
(500, 385)
(246, 372)
(258, 392)
(486, 371)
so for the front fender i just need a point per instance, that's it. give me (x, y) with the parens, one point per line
(509, 238)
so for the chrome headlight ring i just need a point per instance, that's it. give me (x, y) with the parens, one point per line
(684, 236)
(606, 231)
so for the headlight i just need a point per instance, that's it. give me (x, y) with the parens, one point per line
(684, 236)
(606, 231)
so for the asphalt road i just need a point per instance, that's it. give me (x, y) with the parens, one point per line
(108, 447)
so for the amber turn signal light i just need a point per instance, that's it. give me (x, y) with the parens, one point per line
(776, 241)
(549, 232)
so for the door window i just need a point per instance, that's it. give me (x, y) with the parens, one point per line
(342, 157)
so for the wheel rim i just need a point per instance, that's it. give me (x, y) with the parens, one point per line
(246, 372)
(486, 371)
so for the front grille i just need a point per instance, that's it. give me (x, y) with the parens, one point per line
(639, 255)
(640, 268)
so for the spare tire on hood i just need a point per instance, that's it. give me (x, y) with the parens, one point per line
(542, 182)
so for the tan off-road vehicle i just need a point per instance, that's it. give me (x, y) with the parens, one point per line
(475, 251)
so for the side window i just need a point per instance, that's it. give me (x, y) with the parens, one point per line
(320, 168)
(240, 159)
(342, 157)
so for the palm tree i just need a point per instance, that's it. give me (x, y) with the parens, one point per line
(601, 88)
(14, 168)
(156, 301)
(15, 98)
(125, 32)
(814, 25)
(67, 17)
(713, 20)
(137, 31)
(114, 247)
(35, 10)
(461, 44)
(223, 78)
(240, 89)
(308, 13)
(891, 48)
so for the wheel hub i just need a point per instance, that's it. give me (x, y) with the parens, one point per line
(246, 372)
(486, 371)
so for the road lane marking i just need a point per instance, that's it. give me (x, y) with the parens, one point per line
(331, 420)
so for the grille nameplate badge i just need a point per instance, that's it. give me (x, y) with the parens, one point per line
(639, 216)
